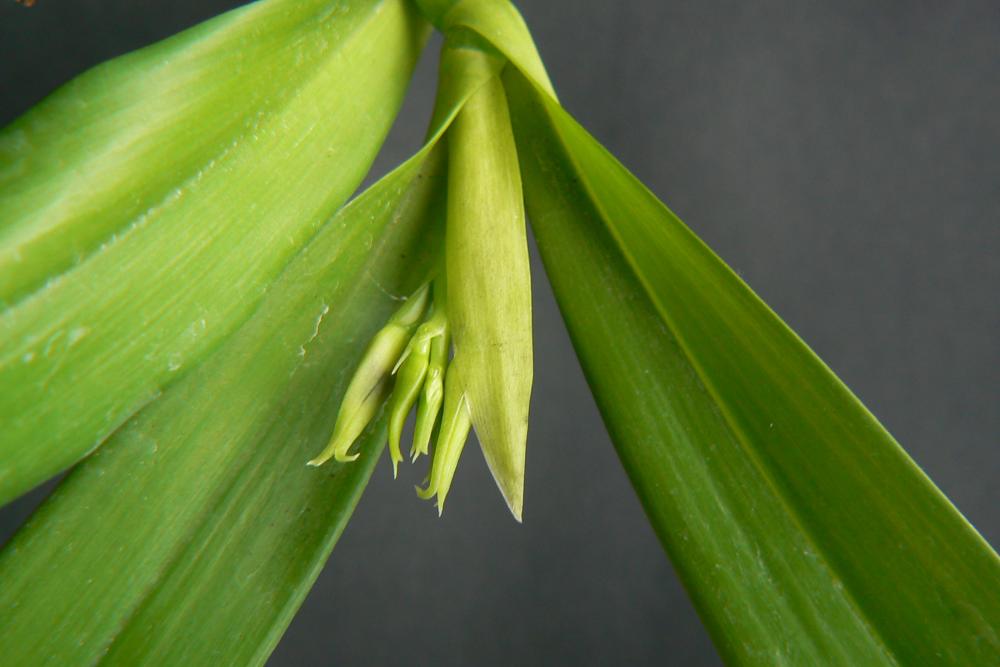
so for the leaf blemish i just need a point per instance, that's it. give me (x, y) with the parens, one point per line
(315, 333)
(76, 335)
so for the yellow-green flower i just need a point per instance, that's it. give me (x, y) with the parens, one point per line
(481, 303)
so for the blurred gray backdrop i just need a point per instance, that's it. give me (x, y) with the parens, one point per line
(843, 157)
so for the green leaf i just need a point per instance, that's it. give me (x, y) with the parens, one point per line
(197, 529)
(803, 532)
(489, 284)
(146, 206)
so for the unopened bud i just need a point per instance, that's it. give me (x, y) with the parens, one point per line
(370, 384)
(410, 373)
(456, 423)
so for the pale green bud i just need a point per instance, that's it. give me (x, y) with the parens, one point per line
(456, 423)
(410, 373)
(432, 395)
(370, 384)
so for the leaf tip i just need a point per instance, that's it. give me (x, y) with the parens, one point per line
(514, 497)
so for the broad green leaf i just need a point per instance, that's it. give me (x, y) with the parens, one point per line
(489, 284)
(803, 532)
(195, 532)
(146, 206)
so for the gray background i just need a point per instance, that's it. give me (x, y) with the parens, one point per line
(844, 157)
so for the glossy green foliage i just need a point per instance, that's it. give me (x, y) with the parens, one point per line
(195, 532)
(168, 231)
(803, 532)
(146, 206)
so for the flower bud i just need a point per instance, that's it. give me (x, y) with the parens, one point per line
(370, 384)
(455, 425)
(432, 395)
(410, 373)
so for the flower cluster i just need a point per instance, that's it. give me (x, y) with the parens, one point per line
(406, 362)
(485, 278)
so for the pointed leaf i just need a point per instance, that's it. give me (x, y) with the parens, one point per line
(803, 532)
(197, 530)
(489, 283)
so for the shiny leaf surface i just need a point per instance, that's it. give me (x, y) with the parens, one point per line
(146, 206)
(803, 532)
(195, 532)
